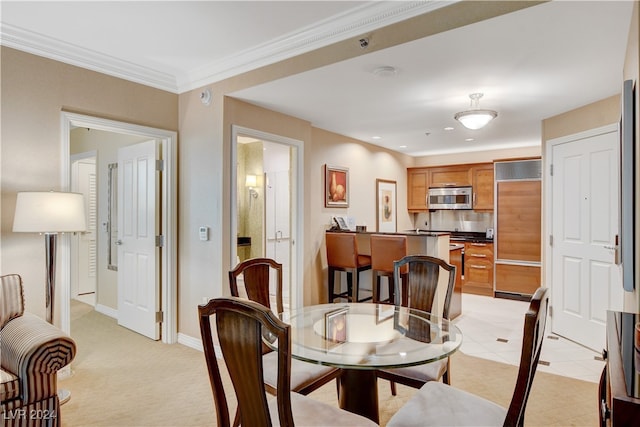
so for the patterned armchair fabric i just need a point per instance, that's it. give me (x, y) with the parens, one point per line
(33, 351)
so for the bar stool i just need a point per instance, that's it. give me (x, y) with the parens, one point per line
(342, 255)
(385, 249)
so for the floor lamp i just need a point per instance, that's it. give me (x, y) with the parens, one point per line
(50, 213)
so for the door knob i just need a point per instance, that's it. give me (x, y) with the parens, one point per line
(118, 242)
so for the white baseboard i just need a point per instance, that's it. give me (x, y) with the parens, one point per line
(107, 311)
(192, 342)
(196, 344)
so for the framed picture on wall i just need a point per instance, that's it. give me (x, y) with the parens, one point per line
(386, 205)
(336, 187)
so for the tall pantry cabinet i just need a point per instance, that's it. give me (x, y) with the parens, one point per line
(518, 220)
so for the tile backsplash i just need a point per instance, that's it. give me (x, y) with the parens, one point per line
(454, 220)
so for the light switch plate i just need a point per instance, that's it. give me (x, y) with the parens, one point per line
(204, 233)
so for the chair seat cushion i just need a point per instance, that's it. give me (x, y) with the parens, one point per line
(364, 260)
(310, 412)
(302, 373)
(428, 372)
(437, 404)
(9, 386)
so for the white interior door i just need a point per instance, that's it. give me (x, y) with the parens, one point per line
(138, 255)
(585, 223)
(278, 225)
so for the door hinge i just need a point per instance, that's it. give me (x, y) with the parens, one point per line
(551, 169)
(550, 311)
(159, 165)
(159, 316)
(159, 241)
(551, 240)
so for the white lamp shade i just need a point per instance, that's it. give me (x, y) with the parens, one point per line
(251, 181)
(475, 119)
(49, 212)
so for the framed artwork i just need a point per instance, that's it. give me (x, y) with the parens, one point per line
(335, 323)
(336, 187)
(386, 205)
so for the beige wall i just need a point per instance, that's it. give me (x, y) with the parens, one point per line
(477, 156)
(35, 91)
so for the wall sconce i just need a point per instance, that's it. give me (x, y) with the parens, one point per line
(252, 181)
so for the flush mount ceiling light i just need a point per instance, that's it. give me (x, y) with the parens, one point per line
(475, 118)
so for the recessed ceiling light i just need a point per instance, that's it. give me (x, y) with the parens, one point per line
(385, 71)
(376, 137)
(448, 128)
(403, 146)
(469, 139)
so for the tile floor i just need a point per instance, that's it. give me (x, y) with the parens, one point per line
(487, 323)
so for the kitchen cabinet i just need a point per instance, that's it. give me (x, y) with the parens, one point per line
(479, 176)
(455, 258)
(417, 189)
(518, 279)
(518, 227)
(450, 176)
(482, 182)
(478, 268)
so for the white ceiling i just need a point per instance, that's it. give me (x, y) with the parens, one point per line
(530, 65)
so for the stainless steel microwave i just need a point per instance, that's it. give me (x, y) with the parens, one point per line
(450, 198)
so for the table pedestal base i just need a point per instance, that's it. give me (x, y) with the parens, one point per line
(359, 392)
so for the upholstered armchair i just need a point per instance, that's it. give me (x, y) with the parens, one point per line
(32, 352)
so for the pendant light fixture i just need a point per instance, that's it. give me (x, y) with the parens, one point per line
(475, 118)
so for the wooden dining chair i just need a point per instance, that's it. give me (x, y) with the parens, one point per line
(437, 404)
(417, 288)
(343, 255)
(256, 273)
(241, 326)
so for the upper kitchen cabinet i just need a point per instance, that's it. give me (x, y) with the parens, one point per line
(450, 176)
(418, 187)
(479, 176)
(482, 176)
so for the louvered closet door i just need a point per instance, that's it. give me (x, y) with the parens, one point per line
(87, 248)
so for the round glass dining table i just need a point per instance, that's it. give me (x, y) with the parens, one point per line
(362, 337)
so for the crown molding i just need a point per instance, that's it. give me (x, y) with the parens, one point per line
(352, 23)
(68, 53)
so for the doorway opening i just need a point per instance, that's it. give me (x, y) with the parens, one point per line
(266, 204)
(167, 214)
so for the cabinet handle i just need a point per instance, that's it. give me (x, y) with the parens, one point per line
(479, 244)
(478, 255)
(480, 267)
(474, 199)
(604, 410)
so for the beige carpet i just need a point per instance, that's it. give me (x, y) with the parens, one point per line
(123, 379)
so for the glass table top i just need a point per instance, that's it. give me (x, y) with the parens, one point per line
(369, 336)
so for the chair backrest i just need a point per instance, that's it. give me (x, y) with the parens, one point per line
(342, 250)
(385, 249)
(256, 273)
(420, 286)
(240, 326)
(534, 323)
(11, 298)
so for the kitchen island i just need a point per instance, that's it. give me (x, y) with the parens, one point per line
(435, 244)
